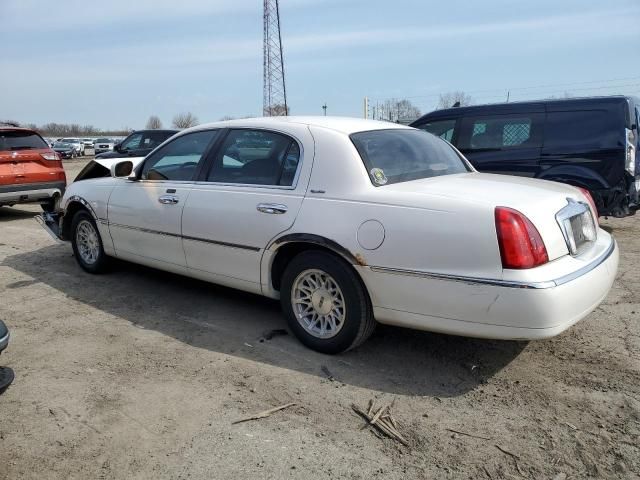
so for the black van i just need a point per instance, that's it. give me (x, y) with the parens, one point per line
(585, 142)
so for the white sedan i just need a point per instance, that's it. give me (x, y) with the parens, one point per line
(349, 222)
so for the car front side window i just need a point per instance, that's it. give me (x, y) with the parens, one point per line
(179, 159)
(256, 157)
(132, 142)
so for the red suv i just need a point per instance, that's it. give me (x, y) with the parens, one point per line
(30, 171)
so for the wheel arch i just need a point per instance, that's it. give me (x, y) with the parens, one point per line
(285, 248)
(74, 205)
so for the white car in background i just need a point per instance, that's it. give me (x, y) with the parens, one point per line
(102, 145)
(78, 145)
(349, 222)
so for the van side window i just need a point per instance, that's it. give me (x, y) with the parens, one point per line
(501, 132)
(440, 128)
(577, 129)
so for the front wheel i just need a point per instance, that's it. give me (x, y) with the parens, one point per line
(325, 303)
(87, 244)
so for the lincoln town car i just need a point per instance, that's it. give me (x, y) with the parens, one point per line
(349, 223)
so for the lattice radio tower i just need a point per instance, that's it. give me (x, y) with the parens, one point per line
(274, 90)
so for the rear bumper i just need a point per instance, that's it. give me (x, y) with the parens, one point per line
(496, 310)
(30, 192)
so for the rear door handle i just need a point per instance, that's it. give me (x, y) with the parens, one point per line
(168, 199)
(272, 208)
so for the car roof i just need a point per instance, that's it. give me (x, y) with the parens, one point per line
(15, 129)
(522, 105)
(345, 125)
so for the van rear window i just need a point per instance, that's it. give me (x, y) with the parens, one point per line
(20, 140)
(592, 128)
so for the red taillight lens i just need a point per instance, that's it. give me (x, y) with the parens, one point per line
(587, 194)
(521, 245)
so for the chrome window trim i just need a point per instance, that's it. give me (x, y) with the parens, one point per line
(504, 283)
(294, 183)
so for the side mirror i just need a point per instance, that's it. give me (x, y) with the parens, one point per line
(117, 147)
(122, 169)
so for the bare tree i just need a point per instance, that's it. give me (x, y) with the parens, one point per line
(454, 99)
(396, 110)
(185, 120)
(154, 122)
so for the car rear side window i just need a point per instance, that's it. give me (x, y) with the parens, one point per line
(440, 128)
(256, 157)
(178, 160)
(12, 140)
(401, 155)
(584, 128)
(501, 132)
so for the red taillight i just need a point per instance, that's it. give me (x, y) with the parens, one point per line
(521, 245)
(587, 194)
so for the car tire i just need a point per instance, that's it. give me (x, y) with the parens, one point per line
(87, 243)
(321, 284)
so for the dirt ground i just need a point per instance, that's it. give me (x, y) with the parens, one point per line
(140, 374)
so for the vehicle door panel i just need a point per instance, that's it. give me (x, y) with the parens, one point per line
(225, 229)
(145, 216)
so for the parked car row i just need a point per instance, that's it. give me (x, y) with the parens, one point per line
(348, 223)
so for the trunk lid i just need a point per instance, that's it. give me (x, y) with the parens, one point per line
(538, 200)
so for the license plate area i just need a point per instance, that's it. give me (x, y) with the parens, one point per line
(577, 225)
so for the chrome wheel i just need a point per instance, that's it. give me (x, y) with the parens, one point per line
(87, 242)
(318, 303)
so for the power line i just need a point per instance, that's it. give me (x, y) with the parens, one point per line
(512, 89)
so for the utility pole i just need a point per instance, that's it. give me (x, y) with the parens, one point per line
(366, 107)
(324, 107)
(274, 101)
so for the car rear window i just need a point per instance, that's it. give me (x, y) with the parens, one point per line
(19, 140)
(593, 128)
(399, 155)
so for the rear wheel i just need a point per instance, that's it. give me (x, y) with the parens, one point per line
(325, 303)
(87, 243)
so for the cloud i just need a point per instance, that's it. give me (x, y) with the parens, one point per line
(67, 14)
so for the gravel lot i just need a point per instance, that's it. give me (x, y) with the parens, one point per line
(140, 374)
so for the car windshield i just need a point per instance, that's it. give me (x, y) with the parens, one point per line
(103, 140)
(69, 140)
(61, 145)
(400, 155)
(20, 140)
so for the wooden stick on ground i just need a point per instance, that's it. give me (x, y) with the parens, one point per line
(381, 424)
(264, 414)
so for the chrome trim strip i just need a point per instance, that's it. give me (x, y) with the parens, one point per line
(184, 237)
(504, 283)
(4, 341)
(587, 268)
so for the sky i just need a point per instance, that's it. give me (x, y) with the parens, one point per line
(114, 63)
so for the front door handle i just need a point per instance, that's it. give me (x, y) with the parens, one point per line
(272, 208)
(168, 199)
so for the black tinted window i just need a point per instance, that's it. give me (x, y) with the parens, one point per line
(151, 140)
(400, 155)
(440, 128)
(18, 140)
(593, 128)
(501, 132)
(178, 159)
(256, 157)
